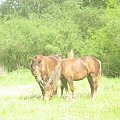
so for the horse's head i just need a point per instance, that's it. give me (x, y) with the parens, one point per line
(50, 90)
(51, 86)
(36, 68)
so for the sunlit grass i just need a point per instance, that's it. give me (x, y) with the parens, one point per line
(20, 99)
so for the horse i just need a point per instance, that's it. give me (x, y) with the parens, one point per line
(71, 69)
(41, 68)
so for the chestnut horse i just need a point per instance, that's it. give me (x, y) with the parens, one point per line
(41, 68)
(74, 69)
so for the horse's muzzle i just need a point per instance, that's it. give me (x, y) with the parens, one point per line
(46, 98)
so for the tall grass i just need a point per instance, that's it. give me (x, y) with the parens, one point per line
(20, 99)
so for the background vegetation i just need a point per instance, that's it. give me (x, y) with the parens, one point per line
(30, 27)
(89, 27)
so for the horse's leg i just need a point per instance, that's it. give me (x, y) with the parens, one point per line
(56, 91)
(41, 86)
(70, 82)
(64, 85)
(42, 89)
(93, 81)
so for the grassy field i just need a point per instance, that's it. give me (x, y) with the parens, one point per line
(20, 99)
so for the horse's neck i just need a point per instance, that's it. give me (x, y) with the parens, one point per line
(55, 75)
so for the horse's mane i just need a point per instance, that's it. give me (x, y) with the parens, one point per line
(55, 75)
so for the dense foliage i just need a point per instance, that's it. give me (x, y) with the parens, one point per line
(89, 27)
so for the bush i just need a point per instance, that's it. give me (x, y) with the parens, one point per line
(58, 27)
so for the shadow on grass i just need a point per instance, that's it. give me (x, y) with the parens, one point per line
(30, 97)
(56, 97)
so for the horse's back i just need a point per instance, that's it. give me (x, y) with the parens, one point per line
(74, 68)
(93, 64)
(80, 68)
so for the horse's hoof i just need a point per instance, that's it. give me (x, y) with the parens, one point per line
(73, 98)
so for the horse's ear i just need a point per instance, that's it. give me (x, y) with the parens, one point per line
(31, 62)
(33, 59)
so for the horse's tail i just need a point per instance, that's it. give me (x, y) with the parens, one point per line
(100, 69)
(71, 54)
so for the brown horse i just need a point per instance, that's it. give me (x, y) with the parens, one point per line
(41, 68)
(74, 69)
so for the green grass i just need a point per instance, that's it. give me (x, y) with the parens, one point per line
(20, 99)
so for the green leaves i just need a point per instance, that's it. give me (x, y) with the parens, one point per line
(55, 27)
